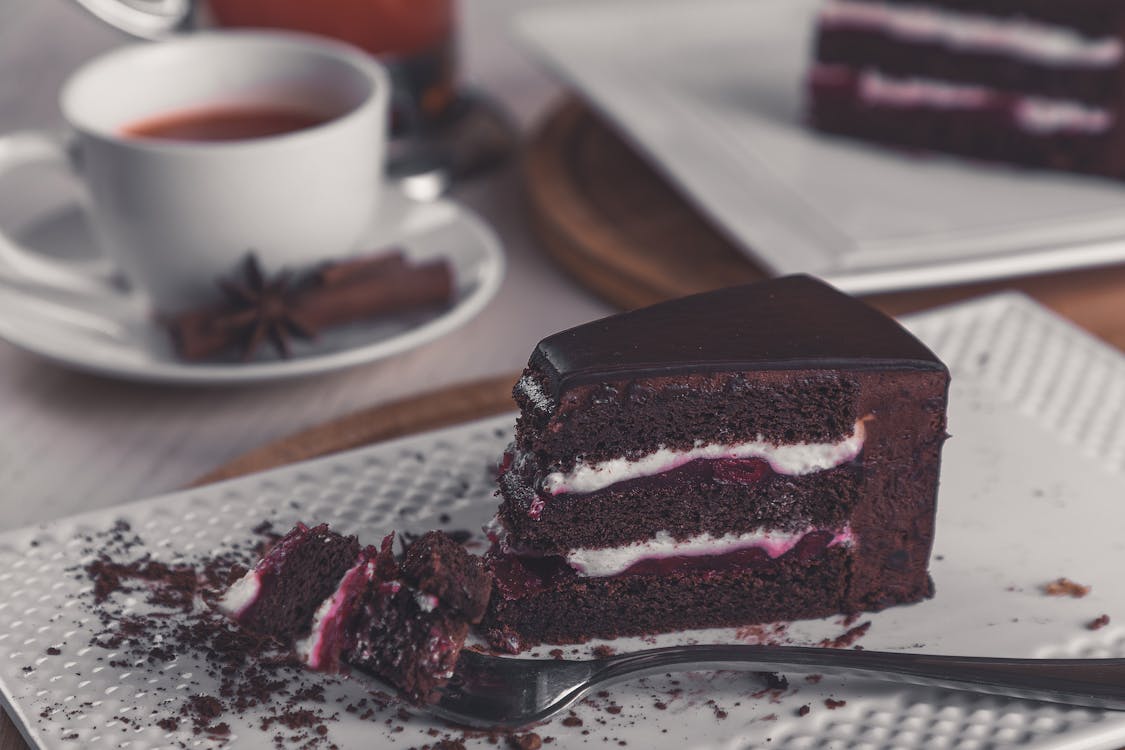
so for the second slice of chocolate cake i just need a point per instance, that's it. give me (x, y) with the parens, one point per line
(759, 453)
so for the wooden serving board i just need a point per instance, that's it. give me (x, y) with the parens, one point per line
(614, 223)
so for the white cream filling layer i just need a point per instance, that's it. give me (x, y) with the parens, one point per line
(1033, 114)
(795, 459)
(241, 594)
(309, 649)
(1017, 37)
(599, 563)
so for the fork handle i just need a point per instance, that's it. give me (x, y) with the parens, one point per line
(1098, 683)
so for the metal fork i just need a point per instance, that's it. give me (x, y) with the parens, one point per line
(510, 693)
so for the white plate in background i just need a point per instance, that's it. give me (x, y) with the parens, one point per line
(713, 92)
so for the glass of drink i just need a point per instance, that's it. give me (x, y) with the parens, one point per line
(439, 132)
(413, 38)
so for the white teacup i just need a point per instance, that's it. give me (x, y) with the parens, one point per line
(173, 215)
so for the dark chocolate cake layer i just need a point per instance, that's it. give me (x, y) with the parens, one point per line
(616, 418)
(574, 609)
(682, 503)
(872, 49)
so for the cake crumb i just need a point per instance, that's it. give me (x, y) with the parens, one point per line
(848, 638)
(720, 713)
(529, 741)
(763, 635)
(1098, 623)
(834, 704)
(1065, 587)
(804, 710)
(774, 681)
(572, 720)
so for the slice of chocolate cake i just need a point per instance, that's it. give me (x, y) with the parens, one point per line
(759, 453)
(338, 605)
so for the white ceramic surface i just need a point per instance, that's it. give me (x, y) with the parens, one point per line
(172, 215)
(713, 91)
(118, 341)
(1031, 487)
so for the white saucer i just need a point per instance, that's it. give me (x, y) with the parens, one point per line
(97, 338)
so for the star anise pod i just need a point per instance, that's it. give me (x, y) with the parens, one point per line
(262, 309)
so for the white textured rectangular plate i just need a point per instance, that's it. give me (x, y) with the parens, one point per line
(1031, 490)
(713, 91)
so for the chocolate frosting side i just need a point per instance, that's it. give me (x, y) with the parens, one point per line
(786, 323)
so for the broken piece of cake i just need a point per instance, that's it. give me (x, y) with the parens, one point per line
(338, 604)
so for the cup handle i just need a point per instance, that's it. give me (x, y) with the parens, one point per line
(147, 19)
(23, 266)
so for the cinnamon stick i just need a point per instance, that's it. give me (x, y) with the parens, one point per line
(336, 272)
(350, 299)
(338, 293)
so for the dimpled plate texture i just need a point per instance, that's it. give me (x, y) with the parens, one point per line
(1031, 491)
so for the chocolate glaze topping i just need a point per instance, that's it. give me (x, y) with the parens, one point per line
(794, 322)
